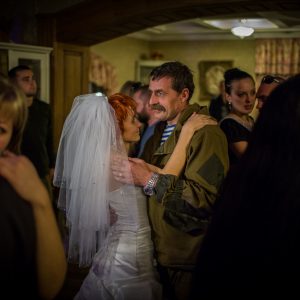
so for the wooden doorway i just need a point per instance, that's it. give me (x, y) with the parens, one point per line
(69, 79)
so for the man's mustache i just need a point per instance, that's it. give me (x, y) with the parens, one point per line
(157, 107)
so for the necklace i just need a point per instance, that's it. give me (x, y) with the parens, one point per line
(248, 123)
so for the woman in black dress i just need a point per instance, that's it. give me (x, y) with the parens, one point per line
(238, 124)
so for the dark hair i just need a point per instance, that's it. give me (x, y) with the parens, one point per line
(255, 227)
(12, 73)
(180, 74)
(268, 79)
(232, 75)
(130, 87)
(145, 92)
(266, 182)
(278, 125)
(269, 170)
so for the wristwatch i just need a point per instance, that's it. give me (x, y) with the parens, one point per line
(150, 185)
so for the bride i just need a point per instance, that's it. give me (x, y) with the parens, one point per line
(97, 131)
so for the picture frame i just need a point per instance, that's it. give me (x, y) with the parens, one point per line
(35, 57)
(211, 73)
(144, 67)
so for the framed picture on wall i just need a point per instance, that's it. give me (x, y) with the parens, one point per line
(35, 57)
(144, 67)
(211, 73)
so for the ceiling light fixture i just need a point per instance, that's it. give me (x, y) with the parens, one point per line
(243, 30)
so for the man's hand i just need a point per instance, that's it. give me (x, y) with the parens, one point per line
(132, 170)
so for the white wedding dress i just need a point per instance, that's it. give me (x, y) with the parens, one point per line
(120, 255)
(123, 270)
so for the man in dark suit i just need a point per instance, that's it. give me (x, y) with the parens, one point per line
(37, 142)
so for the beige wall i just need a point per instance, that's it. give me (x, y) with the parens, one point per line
(242, 52)
(124, 52)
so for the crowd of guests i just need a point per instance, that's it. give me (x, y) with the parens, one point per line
(185, 205)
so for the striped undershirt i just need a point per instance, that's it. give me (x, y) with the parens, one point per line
(167, 132)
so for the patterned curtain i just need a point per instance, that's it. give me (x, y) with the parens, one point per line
(277, 57)
(102, 75)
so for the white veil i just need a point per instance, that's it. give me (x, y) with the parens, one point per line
(90, 134)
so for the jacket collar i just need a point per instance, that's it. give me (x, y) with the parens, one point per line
(168, 146)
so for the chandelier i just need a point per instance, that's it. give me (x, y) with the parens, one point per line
(242, 30)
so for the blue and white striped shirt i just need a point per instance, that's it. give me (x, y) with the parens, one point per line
(167, 132)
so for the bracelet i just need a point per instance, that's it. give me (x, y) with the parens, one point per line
(150, 185)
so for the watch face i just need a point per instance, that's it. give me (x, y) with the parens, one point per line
(147, 190)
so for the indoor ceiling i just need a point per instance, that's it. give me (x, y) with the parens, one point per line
(108, 20)
(269, 24)
(88, 22)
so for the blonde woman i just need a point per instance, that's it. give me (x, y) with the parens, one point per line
(32, 255)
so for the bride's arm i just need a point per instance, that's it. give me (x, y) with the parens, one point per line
(177, 160)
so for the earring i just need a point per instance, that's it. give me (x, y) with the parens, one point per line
(229, 105)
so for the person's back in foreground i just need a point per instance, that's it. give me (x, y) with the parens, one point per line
(253, 243)
(32, 255)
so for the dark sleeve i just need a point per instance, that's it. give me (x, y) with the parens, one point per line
(153, 142)
(234, 131)
(49, 141)
(215, 109)
(188, 198)
(18, 245)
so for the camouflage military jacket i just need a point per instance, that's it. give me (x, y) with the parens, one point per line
(181, 207)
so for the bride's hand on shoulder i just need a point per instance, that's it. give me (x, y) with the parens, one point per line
(141, 162)
(198, 121)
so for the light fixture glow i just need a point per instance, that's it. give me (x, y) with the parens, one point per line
(242, 31)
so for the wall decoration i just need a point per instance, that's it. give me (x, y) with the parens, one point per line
(102, 76)
(144, 67)
(211, 73)
(36, 57)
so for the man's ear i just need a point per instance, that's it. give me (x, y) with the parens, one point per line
(185, 93)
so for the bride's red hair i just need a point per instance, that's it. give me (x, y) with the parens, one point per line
(122, 104)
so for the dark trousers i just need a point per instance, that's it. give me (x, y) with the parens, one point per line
(176, 282)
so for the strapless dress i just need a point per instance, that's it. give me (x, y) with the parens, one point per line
(124, 269)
